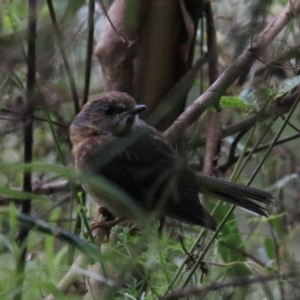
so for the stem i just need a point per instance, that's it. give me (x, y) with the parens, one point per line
(28, 143)
(64, 55)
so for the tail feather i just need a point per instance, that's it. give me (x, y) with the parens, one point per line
(234, 193)
(194, 214)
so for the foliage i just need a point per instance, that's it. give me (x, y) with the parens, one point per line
(146, 265)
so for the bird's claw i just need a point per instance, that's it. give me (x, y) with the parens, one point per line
(106, 225)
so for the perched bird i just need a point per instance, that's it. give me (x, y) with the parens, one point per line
(109, 140)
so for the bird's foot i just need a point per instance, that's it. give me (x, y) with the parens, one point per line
(106, 223)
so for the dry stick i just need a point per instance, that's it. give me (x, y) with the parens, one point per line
(225, 166)
(233, 207)
(280, 142)
(292, 125)
(89, 51)
(243, 125)
(28, 143)
(19, 117)
(121, 36)
(64, 55)
(202, 290)
(246, 59)
(231, 156)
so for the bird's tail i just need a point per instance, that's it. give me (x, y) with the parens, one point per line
(234, 193)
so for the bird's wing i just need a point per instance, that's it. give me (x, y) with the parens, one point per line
(235, 194)
(187, 206)
(150, 171)
(138, 163)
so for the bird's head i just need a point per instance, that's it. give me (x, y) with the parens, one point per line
(113, 113)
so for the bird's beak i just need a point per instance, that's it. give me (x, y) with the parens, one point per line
(128, 120)
(137, 109)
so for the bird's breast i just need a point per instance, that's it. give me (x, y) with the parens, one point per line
(89, 153)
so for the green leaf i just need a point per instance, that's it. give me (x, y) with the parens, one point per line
(276, 224)
(269, 246)
(236, 102)
(33, 223)
(20, 195)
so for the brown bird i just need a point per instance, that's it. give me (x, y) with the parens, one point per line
(109, 140)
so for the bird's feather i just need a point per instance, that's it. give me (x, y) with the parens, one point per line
(150, 172)
(139, 161)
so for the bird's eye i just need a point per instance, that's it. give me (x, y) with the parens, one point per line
(109, 110)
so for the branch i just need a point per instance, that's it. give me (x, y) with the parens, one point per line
(281, 107)
(63, 52)
(246, 59)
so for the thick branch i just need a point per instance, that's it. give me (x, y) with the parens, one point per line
(115, 48)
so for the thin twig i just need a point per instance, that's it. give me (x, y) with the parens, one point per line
(122, 36)
(231, 156)
(89, 50)
(64, 56)
(233, 160)
(20, 115)
(28, 143)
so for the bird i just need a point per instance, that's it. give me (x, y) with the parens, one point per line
(109, 140)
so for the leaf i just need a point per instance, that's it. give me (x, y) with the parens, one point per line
(20, 195)
(276, 224)
(269, 247)
(33, 223)
(256, 269)
(232, 101)
(229, 235)
(286, 86)
(99, 184)
(279, 184)
(251, 96)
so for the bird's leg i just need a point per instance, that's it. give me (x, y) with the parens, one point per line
(107, 222)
